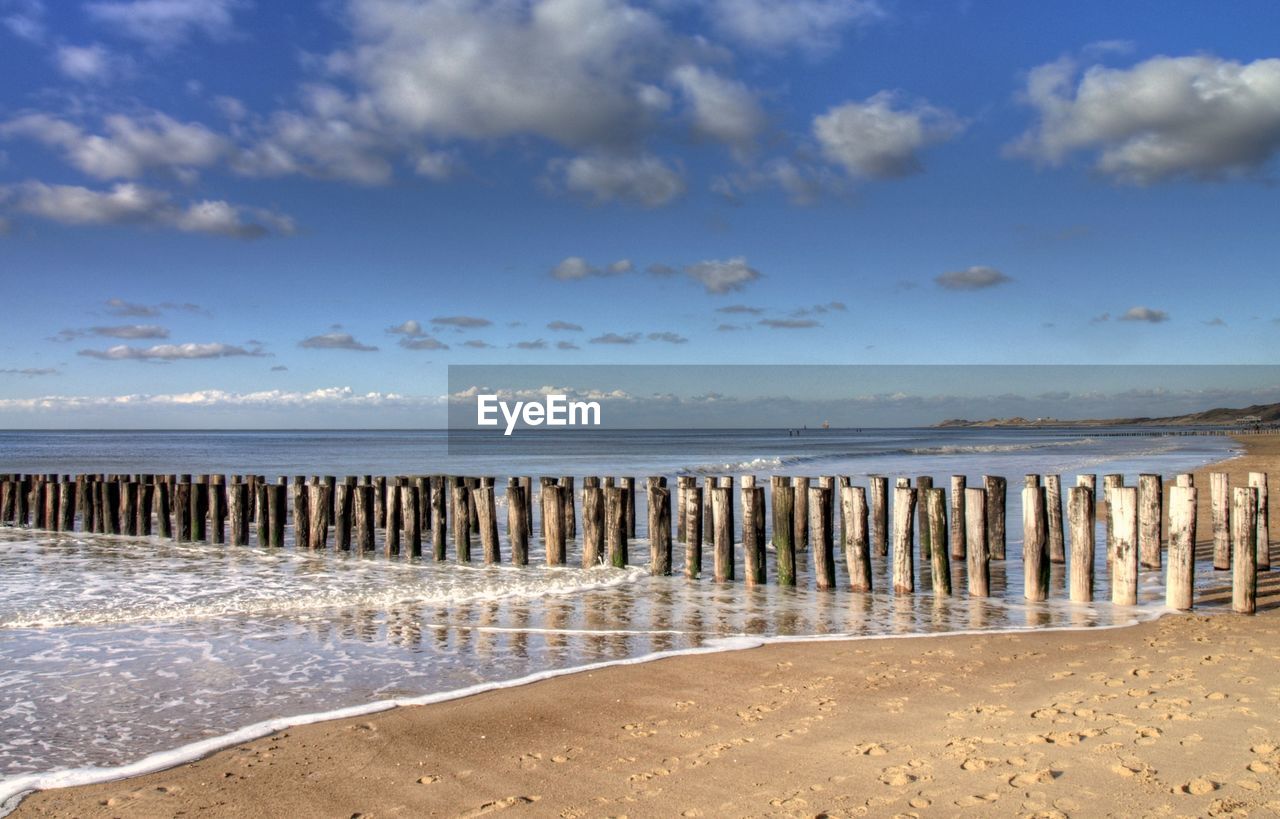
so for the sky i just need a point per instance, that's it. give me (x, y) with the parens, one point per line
(241, 213)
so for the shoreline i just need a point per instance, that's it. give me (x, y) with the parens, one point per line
(80, 799)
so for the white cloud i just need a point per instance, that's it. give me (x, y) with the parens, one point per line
(566, 70)
(719, 277)
(213, 398)
(165, 23)
(1203, 117)
(723, 109)
(978, 277)
(172, 352)
(461, 321)
(616, 338)
(132, 331)
(1147, 314)
(25, 20)
(132, 204)
(882, 137)
(335, 341)
(576, 267)
(772, 25)
(669, 337)
(643, 180)
(128, 147)
(91, 63)
(788, 323)
(564, 326)
(120, 307)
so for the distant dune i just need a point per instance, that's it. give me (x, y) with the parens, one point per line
(1220, 416)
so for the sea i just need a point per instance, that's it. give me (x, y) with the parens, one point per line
(120, 655)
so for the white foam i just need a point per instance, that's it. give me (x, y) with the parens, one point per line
(13, 790)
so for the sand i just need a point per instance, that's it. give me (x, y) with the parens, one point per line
(1180, 716)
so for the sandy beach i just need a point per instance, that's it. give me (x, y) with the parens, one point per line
(1179, 717)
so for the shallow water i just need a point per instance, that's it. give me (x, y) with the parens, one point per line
(113, 648)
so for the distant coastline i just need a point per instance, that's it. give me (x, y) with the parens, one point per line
(1257, 415)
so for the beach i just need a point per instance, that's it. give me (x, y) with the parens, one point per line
(1172, 717)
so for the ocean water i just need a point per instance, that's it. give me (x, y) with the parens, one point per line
(118, 651)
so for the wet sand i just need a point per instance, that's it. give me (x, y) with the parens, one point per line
(1180, 716)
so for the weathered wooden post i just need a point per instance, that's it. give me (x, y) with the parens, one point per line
(181, 505)
(628, 487)
(924, 483)
(518, 523)
(462, 521)
(380, 502)
(979, 568)
(800, 525)
(278, 512)
(342, 503)
(821, 538)
(659, 530)
(146, 500)
(439, 516)
(423, 484)
(1053, 516)
(723, 533)
(570, 515)
(318, 516)
(997, 490)
(959, 531)
(217, 508)
(939, 558)
(615, 526)
(363, 514)
(164, 522)
(1080, 510)
(1244, 565)
(1150, 518)
(784, 545)
(1110, 482)
(1180, 582)
(301, 514)
(904, 574)
(1220, 498)
(67, 507)
(263, 526)
(553, 514)
(857, 545)
(199, 508)
(592, 524)
(752, 547)
(880, 513)
(128, 507)
(237, 509)
(483, 499)
(1035, 551)
(693, 531)
(1258, 480)
(1124, 566)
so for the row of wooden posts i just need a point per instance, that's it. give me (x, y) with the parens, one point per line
(217, 510)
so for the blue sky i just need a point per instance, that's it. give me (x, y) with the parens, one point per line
(211, 210)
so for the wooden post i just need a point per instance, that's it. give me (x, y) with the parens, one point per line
(1110, 482)
(615, 526)
(1258, 480)
(277, 512)
(857, 544)
(997, 489)
(693, 531)
(1082, 515)
(146, 500)
(411, 517)
(262, 524)
(423, 484)
(821, 538)
(1150, 518)
(318, 516)
(518, 522)
(553, 514)
(904, 574)
(784, 544)
(482, 497)
(959, 531)
(362, 516)
(1053, 518)
(1035, 545)
(1220, 497)
(979, 569)
(439, 516)
(237, 503)
(301, 516)
(660, 530)
(800, 526)
(216, 531)
(1244, 531)
(181, 504)
(924, 483)
(1180, 582)
(940, 559)
(128, 507)
(164, 522)
(593, 528)
(723, 533)
(628, 487)
(199, 508)
(570, 516)
(1185, 479)
(462, 522)
(880, 513)
(1124, 566)
(342, 504)
(752, 546)
(380, 502)
(67, 506)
